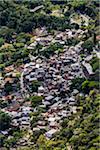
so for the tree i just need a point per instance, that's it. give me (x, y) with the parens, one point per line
(5, 121)
(6, 33)
(89, 85)
(64, 124)
(23, 37)
(72, 42)
(88, 45)
(78, 5)
(95, 63)
(35, 85)
(2, 41)
(34, 121)
(10, 142)
(37, 134)
(77, 83)
(36, 100)
(8, 87)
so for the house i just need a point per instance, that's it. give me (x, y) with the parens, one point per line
(71, 99)
(8, 79)
(50, 133)
(41, 89)
(36, 129)
(75, 92)
(53, 124)
(4, 132)
(25, 123)
(14, 106)
(15, 122)
(25, 118)
(36, 8)
(88, 58)
(49, 98)
(51, 119)
(46, 103)
(75, 67)
(87, 69)
(9, 68)
(41, 123)
(74, 109)
(71, 103)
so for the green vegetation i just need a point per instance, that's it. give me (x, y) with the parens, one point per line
(95, 63)
(88, 45)
(80, 131)
(84, 85)
(77, 83)
(5, 121)
(89, 85)
(37, 134)
(72, 42)
(8, 87)
(10, 142)
(52, 49)
(36, 100)
(2, 41)
(17, 24)
(35, 85)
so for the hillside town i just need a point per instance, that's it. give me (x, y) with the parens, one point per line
(49, 80)
(55, 75)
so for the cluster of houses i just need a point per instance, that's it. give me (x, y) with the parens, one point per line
(42, 37)
(54, 74)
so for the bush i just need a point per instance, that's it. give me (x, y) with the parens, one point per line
(95, 63)
(34, 121)
(77, 83)
(8, 87)
(35, 85)
(2, 41)
(6, 33)
(18, 45)
(2, 138)
(89, 85)
(51, 49)
(88, 45)
(72, 42)
(2, 66)
(10, 142)
(64, 124)
(36, 100)
(23, 37)
(5, 121)
(36, 134)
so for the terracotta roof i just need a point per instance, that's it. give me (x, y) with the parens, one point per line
(8, 97)
(98, 37)
(8, 79)
(9, 68)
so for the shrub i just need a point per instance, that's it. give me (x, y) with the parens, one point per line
(77, 83)
(1, 41)
(89, 85)
(88, 45)
(5, 121)
(95, 63)
(36, 100)
(35, 85)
